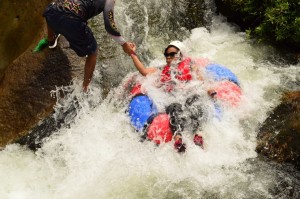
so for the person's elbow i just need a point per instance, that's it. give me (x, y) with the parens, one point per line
(148, 71)
(144, 72)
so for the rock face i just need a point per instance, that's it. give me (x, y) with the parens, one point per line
(193, 15)
(20, 24)
(25, 90)
(279, 136)
(26, 79)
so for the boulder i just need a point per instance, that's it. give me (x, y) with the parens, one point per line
(279, 135)
(27, 78)
(25, 89)
(20, 24)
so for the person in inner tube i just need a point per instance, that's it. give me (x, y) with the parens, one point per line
(196, 113)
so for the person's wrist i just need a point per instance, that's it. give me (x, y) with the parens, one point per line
(132, 53)
(123, 43)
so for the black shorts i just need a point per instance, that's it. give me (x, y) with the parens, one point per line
(74, 29)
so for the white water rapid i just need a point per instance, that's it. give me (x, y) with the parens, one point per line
(99, 156)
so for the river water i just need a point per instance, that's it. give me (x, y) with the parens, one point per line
(98, 154)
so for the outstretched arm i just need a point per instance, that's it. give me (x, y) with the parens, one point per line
(111, 28)
(138, 64)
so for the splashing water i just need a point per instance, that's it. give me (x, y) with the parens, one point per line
(98, 154)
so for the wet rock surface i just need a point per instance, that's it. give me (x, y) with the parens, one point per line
(25, 90)
(20, 25)
(279, 135)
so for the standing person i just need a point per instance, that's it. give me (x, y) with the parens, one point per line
(69, 18)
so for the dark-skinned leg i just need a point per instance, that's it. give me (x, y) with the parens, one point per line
(89, 68)
(51, 34)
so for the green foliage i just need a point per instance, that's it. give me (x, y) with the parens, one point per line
(276, 21)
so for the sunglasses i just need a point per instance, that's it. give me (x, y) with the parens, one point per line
(171, 54)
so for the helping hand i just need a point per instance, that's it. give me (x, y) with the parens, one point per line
(127, 47)
(133, 46)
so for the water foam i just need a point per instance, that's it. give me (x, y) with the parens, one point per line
(98, 155)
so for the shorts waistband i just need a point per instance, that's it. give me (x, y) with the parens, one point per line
(55, 7)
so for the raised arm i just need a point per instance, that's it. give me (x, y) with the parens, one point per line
(110, 26)
(138, 64)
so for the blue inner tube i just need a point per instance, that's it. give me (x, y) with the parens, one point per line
(219, 72)
(140, 109)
